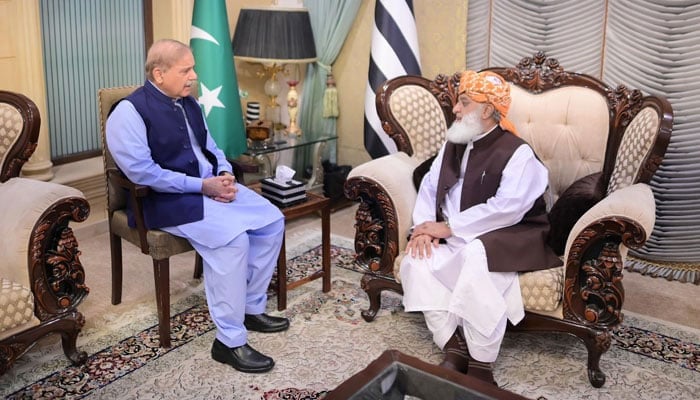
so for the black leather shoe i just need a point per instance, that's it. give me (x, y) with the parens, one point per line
(265, 323)
(243, 358)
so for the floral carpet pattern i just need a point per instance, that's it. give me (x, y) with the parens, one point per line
(328, 341)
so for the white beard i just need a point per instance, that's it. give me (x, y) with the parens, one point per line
(464, 130)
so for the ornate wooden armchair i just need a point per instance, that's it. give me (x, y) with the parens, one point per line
(601, 145)
(41, 278)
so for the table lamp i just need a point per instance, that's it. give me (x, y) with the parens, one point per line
(274, 37)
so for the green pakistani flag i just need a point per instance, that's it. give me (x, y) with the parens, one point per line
(218, 87)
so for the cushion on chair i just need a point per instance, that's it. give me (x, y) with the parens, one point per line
(419, 114)
(542, 290)
(571, 205)
(16, 307)
(421, 170)
(635, 202)
(161, 244)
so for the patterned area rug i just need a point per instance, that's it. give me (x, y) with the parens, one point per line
(328, 341)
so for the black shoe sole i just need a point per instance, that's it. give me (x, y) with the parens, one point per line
(237, 367)
(267, 329)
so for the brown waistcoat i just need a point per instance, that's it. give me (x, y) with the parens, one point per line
(520, 247)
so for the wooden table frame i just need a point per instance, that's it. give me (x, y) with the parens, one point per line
(314, 203)
(359, 385)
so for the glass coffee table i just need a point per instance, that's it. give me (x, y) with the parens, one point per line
(395, 375)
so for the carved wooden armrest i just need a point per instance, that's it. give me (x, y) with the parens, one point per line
(41, 251)
(385, 189)
(57, 275)
(596, 250)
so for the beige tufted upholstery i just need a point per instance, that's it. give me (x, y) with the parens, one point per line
(417, 110)
(16, 307)
(635, 147)
(542, 290)
(558, 125)
(11, 124)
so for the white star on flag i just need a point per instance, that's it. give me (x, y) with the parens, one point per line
(210, 99)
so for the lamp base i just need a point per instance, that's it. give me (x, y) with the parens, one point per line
(273, 114)
(293, 129)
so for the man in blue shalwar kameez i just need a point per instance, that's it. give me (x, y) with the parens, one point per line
(158, 137)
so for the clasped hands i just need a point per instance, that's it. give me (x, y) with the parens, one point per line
(425, 236)
(220, 188)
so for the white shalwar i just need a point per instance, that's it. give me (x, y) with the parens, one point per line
(239, 241)
(454, 286)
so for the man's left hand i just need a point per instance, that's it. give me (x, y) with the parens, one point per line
(438, 230)
(220, 188)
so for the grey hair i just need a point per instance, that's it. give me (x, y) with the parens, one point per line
(164, 54)
(496, 115)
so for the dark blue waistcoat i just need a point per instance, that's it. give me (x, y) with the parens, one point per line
(171, 149)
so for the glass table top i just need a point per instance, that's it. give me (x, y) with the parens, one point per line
(284, 143)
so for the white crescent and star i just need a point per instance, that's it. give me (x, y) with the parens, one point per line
(209, 98)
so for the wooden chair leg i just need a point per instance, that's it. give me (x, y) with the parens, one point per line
(373, 286)
(198, 266)
(161, 274)
(74, 322)
(115, 247)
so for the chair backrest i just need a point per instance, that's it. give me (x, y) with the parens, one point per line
(643, 144)
(19, 132)
(415, 112)
(107, 97)
(576, 124)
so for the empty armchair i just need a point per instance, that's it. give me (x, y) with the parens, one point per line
(41, 278)
(601, 146)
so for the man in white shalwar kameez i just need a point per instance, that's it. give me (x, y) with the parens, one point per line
(158, 137)
(479, 218)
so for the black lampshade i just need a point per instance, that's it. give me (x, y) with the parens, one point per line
(270, 35)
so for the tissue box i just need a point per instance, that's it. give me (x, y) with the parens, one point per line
(283, 194)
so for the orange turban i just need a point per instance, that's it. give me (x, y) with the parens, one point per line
(488, 87)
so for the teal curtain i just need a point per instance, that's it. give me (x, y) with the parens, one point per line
(330, 21)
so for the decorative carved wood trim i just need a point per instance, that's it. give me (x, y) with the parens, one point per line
(376, 235)
(446, 90)
(57, 276)
(68, 325)
(593, 291)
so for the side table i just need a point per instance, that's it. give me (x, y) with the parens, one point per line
(314, 203)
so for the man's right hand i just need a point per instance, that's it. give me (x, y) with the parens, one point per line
(220, 188)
